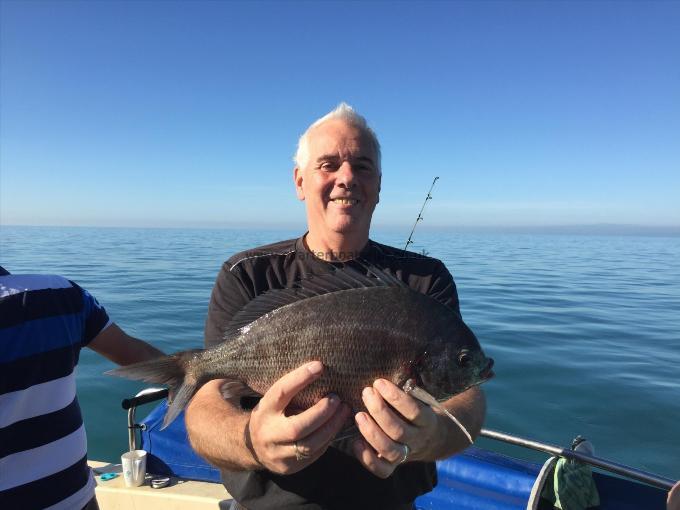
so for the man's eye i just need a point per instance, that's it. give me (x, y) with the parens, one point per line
(327, 166)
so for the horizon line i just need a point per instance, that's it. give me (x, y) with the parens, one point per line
(604, 228)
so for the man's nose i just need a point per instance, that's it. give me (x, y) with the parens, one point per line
(345, 175)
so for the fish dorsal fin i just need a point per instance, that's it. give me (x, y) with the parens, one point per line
(336, 279)
(262, 305)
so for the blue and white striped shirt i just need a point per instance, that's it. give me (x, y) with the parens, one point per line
(44, 322)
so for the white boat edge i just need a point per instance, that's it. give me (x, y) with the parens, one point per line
(180, 494)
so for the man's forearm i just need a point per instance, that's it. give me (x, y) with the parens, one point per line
(218, 430)
(470, 409)
(121, 348)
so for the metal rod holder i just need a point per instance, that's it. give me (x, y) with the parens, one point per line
(145, 396)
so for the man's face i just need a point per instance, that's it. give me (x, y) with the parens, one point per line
(340, 181)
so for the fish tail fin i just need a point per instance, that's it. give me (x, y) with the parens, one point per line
(174, 371)
(181, 398)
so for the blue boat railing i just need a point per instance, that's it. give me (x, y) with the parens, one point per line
(154, 394)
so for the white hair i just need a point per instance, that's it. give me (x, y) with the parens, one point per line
(342, 112)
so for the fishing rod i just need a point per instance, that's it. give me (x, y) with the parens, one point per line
(420, 214)
(613, 467)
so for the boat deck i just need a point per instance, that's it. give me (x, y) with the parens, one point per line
(178, 495)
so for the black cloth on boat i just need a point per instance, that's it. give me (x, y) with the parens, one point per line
(335, 480)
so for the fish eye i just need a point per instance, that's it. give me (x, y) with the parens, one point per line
(464, 359)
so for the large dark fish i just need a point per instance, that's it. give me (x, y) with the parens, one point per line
(360, 327)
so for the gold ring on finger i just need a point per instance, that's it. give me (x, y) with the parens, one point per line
(299, 455)
(407, 451)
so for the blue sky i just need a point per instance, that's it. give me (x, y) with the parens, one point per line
(187, 113)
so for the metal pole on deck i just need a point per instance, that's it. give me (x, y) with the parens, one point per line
(130, 404)
(613, 467)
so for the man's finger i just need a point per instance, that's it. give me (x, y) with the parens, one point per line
(368, 458)
(279, 395)
(316, 443)
(385, 447)
(405, 405)
(306, 422)
(389, 421)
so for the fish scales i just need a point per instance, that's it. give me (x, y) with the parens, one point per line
(340, 329)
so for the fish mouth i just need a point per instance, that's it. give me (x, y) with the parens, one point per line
(487, 372)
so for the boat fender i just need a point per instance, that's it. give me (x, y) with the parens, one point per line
(543, 478)
(572, 484)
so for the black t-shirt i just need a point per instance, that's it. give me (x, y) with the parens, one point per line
(335, 480)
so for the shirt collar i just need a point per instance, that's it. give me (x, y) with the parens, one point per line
(366, 252)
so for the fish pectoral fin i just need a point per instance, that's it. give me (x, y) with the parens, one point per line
(233, 389)
(417, 392)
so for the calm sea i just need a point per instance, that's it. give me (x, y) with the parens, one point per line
(585, 330)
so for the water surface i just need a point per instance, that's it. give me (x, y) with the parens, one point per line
(585, 330)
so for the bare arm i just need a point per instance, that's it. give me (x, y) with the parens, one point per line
(217, 429)
(429, 434)
(470, 409)
(115, 344)
(268, 437)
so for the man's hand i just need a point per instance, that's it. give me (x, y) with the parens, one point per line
(286, 444)
(428, 434)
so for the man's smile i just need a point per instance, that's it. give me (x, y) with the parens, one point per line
(345, 201)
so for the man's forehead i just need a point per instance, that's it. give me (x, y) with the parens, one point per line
(337, 136)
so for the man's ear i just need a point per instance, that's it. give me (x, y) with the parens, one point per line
(298, 178)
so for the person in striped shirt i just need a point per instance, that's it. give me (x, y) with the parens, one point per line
(44, 322)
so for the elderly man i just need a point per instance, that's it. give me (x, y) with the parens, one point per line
(274, 459)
